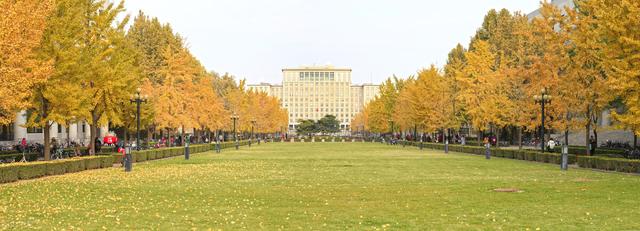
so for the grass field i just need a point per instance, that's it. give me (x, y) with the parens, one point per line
(325, 186)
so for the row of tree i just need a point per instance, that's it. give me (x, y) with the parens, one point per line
(326, 125)
(586, 57)
(67, 61)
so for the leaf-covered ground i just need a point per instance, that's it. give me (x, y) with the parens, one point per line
(326, 186)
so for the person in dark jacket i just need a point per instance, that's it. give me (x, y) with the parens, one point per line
(98, 145)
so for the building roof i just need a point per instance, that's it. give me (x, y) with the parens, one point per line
(316, 68)
(561, 4)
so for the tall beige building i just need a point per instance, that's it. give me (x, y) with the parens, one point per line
(315, 91)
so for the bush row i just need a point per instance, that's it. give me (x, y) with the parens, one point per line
(17, 156)
(154, 154)
(23, 171)
(595, 162)
(581, 150)
(609, 164)
(529, 155)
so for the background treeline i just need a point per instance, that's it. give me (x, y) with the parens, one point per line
(67, 61)
(588, 58)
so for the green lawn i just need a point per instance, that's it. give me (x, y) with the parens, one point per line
(326, 186)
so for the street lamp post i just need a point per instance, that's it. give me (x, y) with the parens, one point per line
(138, 99)
(127, 159)
(235, 118)
(542, 99)
(253, 123)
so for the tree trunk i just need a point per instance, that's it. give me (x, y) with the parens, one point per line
(92, 137)
(47, 141)
(479, 137)
(149, 135)
(566, 137)
(497, 137)
(67, 130)
(635, 140)
(519, 138)
(588, 141)
(595, 134)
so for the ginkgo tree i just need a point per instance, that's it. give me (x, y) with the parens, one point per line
(22, 25)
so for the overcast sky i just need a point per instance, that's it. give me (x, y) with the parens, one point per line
(255, 39)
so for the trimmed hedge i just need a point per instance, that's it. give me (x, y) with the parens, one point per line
(529, 155)
(17, 156)
(154, 154)
(23, 171)
(595, 162)
(581, 150)
(609, 164)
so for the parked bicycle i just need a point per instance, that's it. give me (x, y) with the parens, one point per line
(632, 153)
(615, 144)
(61, 153)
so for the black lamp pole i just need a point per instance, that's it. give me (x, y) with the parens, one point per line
(542, 99)
(235, 117)
(138, 99)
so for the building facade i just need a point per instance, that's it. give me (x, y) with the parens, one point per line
(77, 132)
(315, 91)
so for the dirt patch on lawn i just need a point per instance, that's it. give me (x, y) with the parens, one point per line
(508, 190)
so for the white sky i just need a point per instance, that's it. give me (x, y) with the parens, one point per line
(255, 39)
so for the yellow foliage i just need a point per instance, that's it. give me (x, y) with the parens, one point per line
(22, 24)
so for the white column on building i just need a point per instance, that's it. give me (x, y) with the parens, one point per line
(19, 131)
(104, 131)
(53, 132)
(86, 134)
(73, 132)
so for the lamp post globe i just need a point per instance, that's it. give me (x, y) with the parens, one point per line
(138, 99)
(542, 99)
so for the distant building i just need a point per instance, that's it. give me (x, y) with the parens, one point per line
(316, 91)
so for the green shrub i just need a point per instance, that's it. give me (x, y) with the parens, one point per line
(141, 156)
(106, 161)
(56, 167)
(177, 152)
(117, 158)
(74, 165)
(31, 170)
(151, 155)
(611, 164)
(92, 163)
(8, 173)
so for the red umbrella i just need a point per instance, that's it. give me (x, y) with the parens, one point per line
(110, 139)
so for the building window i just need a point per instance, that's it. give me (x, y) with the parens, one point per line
(34, 130)
(59, 128)
(84, 127)
(6, 132)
